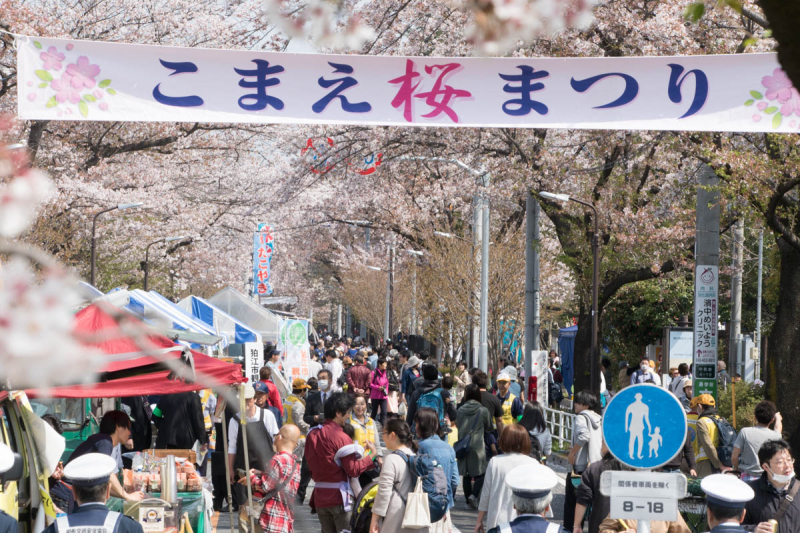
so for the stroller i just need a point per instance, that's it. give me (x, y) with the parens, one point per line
(362, 509)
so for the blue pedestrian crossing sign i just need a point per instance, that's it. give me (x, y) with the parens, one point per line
(644, 426)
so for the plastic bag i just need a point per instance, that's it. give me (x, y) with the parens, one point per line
(418, 514)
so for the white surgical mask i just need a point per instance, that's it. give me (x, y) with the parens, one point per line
(645, 368)
(781, 479)
(323, 384)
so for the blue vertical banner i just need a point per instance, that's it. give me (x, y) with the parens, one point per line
(263, 248)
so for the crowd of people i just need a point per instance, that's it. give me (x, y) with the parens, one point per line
(378, 430)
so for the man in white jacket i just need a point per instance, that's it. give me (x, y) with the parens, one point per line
(587, 441)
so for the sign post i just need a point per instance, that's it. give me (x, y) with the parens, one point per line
(644, 427)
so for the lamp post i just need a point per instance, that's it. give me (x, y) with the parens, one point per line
(481, 239)
(414, 293)
(594, 355)
(94, 229)
(146, 264)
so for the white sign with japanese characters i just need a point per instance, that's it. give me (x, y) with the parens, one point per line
(61, 79)
(643, 495)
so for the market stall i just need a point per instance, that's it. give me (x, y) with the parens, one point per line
(246, 311)
(131, 373)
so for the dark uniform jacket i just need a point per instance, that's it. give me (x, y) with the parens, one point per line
(314, 407)
(94, 515)
(181, 421)
(765, 504)
(728, 527)
(588, 492)
(7, 523)
(529, 523)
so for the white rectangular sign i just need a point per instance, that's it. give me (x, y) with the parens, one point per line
(83, 80)
(643, 495)
(681, 345)
(253, 360)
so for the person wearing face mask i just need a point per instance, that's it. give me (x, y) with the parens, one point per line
(750, 440)
(645, 374)
(313, 416)
(775, 491)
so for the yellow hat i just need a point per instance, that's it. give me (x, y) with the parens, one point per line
(704, 399)
(299, 383)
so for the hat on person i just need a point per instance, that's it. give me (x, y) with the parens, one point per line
(623, 364)
(393, 353)
(89, 470)
(6, 458)
(704, 399)
(413, 361)
(259, 386)
(503, 376)
(299, 383)
(652, 364)
(687, 383)
(250, 392)
(511, 371)
(531, 481)
(727, 491)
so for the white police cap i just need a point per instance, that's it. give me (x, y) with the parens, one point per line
(89, 470)
(726, 491)
(531, 481)
(6, 458)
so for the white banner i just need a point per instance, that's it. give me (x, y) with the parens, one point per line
(81, 80)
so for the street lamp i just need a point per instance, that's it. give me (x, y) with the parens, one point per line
(418, 253)
(563, 198)
(94, 228)
(481, 242)
(146, 264)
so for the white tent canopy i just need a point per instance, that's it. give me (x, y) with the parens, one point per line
(248, 312)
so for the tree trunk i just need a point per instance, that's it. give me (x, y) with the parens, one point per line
(784, 19)
(583, 348)
(784, 345)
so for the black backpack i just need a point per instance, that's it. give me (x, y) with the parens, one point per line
(361, 516)
(727, 436)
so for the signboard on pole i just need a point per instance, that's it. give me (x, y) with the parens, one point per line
(706, 309)
(643, 495)
(293, 343)
(263, 248)
(254, 359)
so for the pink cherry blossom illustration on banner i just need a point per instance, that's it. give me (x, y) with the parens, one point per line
(52, 58)
(780, 99)
(64, 90)
(83, 73)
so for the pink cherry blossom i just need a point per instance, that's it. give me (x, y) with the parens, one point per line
(52, 58)
(83, 73)
(64, 89)
(70, 46)
(756, 118)
(791, 104)
(98, 94)
(778, 85)
(31, 97)
(762, 106)
(103, 106)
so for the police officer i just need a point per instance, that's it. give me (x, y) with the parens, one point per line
(531, 491)
(89, 476)
(7, 523)
(726, 497)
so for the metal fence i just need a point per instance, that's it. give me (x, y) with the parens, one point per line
(560, 425)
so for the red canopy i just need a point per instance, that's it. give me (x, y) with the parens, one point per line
(93, 320)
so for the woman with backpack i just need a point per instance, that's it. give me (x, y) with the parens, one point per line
(473, 421)
(426, 422)
(533, 420)
(379, 390)
(393, 374)
(396, 480)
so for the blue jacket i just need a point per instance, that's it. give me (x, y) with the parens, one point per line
(528, 523)
(94, 514)
(443, 454)
(515, 389)
(408, 379)
(7, 523)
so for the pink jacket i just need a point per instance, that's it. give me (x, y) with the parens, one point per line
(378, 384)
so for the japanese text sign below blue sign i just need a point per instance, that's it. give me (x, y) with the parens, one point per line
(644, 426)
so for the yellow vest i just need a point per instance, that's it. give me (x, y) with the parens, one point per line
(713, 433)
(507, 418)
(287, 407)
(691, 420)
(204, 396)
(364, 433)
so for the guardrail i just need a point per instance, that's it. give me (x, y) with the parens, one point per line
(560, 425)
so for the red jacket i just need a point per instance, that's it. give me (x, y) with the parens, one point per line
(274, 397)
(321, 446)
(358, 378)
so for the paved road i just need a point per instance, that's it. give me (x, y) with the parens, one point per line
(463, 517)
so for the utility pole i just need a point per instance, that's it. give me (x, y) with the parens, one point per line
(483, 355)
(339, 320)
(532, 318)
(758, 309)
(477, 236)
(736, 297)
(413, 328)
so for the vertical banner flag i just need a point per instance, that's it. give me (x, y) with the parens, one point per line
(293, 342)
(61, 79)
(706, 296)
(263, 248)
(254, 360)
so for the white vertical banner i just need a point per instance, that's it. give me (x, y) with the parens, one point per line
(293, 343)
(254, 360)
